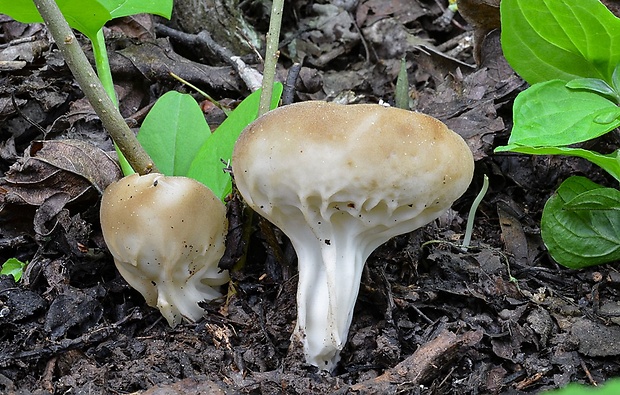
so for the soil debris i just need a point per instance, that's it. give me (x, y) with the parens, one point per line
(431, 318)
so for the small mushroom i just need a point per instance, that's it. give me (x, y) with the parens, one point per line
(339, 181)
(166, 235)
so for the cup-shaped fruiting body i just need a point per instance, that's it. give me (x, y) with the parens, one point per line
(166, 235)
(339, 181)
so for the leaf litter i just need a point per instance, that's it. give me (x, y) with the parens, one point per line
(499, 318)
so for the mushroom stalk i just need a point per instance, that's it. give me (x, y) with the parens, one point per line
(340, 181)
(329, 279)
(331, 261)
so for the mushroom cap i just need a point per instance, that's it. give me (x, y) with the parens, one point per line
(340, 181)
(371, 161)
(166, 235)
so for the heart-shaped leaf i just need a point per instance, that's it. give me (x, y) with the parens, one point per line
(580, 224)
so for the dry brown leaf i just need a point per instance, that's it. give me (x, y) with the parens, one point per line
(58, 166)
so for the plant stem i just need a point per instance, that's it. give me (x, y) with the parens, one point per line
(217, 104)
(271, 55)
(105, 76)
(103, 66)
(472, 212)
(92, 87)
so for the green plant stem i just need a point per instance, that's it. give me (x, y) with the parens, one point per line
(92, 87)
(472, 212)
(271, 55)
(103, 66)
(105, 76)
(217, 104)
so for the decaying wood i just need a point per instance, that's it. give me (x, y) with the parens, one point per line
(156, 60)
(222, 19)
(421, 366)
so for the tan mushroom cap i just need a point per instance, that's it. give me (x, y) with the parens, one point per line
(354, 158)
(166, 235)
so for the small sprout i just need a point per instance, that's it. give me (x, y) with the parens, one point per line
(340, 181)
(13, 267)
(166, 235)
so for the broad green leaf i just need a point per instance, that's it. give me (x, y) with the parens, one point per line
(578, 238)
(551, 39)
(594, 85)
(550, 114)
(87, 16)
(210, 162)
(22, 10)
(595, 199)
(608, 162)
(611, 387)
(13, 267)
(120, 8)
(173, 132)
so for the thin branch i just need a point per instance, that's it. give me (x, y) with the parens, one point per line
(271, 55)
(252, 77)
(93, 89)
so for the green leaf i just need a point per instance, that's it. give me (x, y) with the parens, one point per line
(209, 164)
(173, 132)
(21, 10)
(580, 224)
(594, 85)
(87, 16)
(611, 387)
(608, 162)
(120, 8)
(595, 199)
(550, 114)
(615, 79)
(551, 39)
(13, 267)
(401, 94)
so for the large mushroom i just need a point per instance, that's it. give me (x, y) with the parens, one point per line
(166, 235)
(339, 181)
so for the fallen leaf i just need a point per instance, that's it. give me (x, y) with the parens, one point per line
(71, 167)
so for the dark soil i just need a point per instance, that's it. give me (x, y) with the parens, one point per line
(500, 318)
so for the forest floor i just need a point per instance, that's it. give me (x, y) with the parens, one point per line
(500, 318)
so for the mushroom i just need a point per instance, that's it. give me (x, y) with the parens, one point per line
(166, 235)
(340, 181)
